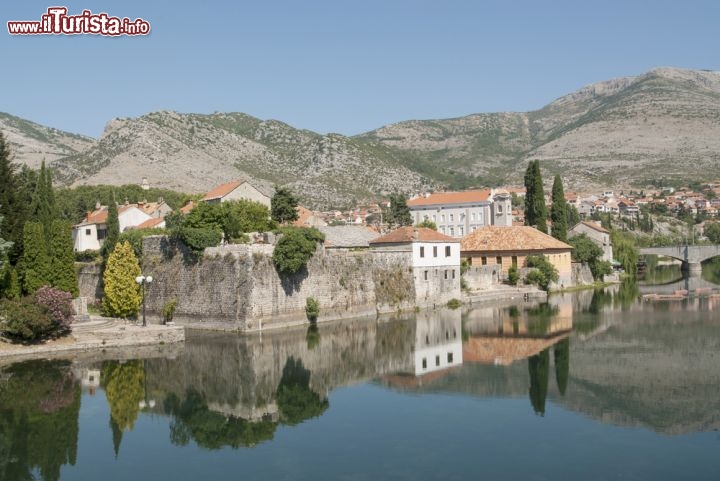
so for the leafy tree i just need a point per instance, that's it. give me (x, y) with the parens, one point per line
(427, 223)
(205, 216)
(398, 214)
(712, 232)
(10, 287)
(35, 262)
(295, 248)
(586, 251)
(625, 251)
(62, 264)
(113, 230)
(535, 210)
(539, 367)
(242, 216)
(197, 240)
(559, 211)
(543, 274)
(573, 216)
(283, 205)
(122, 293)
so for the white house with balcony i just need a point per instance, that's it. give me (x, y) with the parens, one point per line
(459, 213)
(434, 257)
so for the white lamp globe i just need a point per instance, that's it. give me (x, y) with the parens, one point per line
(148, 279)
(139, 279)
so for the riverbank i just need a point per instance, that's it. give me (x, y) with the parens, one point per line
(95, 335)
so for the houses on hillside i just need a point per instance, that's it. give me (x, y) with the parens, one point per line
(236, 190)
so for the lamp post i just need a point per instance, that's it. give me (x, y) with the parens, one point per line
(143, 280)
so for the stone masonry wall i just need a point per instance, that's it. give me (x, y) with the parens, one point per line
(89, 281)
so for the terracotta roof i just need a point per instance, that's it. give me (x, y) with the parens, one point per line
(222, 190)
(464, 197)
(515, 238)
(188, 207)
(151, 223)
(413, 234)
(595, 226)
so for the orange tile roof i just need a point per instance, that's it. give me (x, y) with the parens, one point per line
(151, 223)
(464, 197)
(188, 207)
(303, 215)
(411, 234)
(515, 238)
(222, 190)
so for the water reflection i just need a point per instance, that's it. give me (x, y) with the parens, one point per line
(39, 407)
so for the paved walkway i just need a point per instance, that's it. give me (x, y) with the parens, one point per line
(95, 334)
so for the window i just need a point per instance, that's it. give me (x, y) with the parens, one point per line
(452, 231)
(87, 231)
(442, 218)
(447, 251)
(434, 217)
(452, 217)
(446, 276)
(434, 251)
(514, 261)
(498, 260)
(499, 208)
(426, 276)
(437, 360)
(453, 273)
(450, 357)
(427, 339)
(422, 251)
(425, 217)
(424, 363)
(484, 260)
(472, 216)
(461, 231)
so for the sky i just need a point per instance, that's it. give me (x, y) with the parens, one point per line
(339, 65)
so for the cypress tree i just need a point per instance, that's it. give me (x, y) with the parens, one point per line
(35, 262)
(62, 265)
(535, 210)
(122, 293)
(558, 211)
(11, 205)
(113, 230)
(562, 364)
(42, 205)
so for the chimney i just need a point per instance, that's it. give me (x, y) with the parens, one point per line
(416, 236)
(97, 205)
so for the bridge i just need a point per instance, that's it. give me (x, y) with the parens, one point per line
(691, 256)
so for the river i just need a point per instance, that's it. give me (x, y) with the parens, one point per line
(590, 385)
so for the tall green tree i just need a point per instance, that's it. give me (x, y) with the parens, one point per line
(12, 207)
(559, 211)
(562, 364)
(539, 367)
(35, 261)
(4, 247)
(62, 264)
(122, 294)
(42, 207)
(398, 214)
(535, 210)
(283, 205)
(113, 230)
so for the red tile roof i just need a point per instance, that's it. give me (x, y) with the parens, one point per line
(151, 223)
(188, 207)
(222, 190)
(464, 197)
(413, 234)
(515, 238)
(596, 227)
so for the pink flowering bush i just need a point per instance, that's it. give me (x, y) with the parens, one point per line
(59, 307)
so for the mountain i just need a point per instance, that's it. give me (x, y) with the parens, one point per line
(665, 123)
(31, 143)
(617, 133)
(194, 152)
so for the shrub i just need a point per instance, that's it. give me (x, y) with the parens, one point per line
(88, 256)
(168, 310)
(24, 320)
(312, 309)
(453, 303)
(513, 275)
(197, 239)
(135, 237)
(543, 274)
(59, 307)
(295, 248)
(122, 294)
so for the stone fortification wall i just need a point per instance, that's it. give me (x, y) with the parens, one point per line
(238, 287)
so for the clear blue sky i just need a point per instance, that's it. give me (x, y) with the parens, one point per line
(342, 66)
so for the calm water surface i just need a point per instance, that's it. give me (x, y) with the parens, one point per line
(593, 385)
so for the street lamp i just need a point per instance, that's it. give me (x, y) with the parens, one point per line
(143, 280)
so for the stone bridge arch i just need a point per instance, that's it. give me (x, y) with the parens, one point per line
(692, 257)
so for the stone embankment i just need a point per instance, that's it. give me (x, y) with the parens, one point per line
(95, 335)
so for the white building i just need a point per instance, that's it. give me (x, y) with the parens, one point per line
(598, 234)
(91, 232)
(459, 213)
(438, 342)
(435, 260)
(236, 190)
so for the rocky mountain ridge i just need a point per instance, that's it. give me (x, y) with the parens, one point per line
(621, 132)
